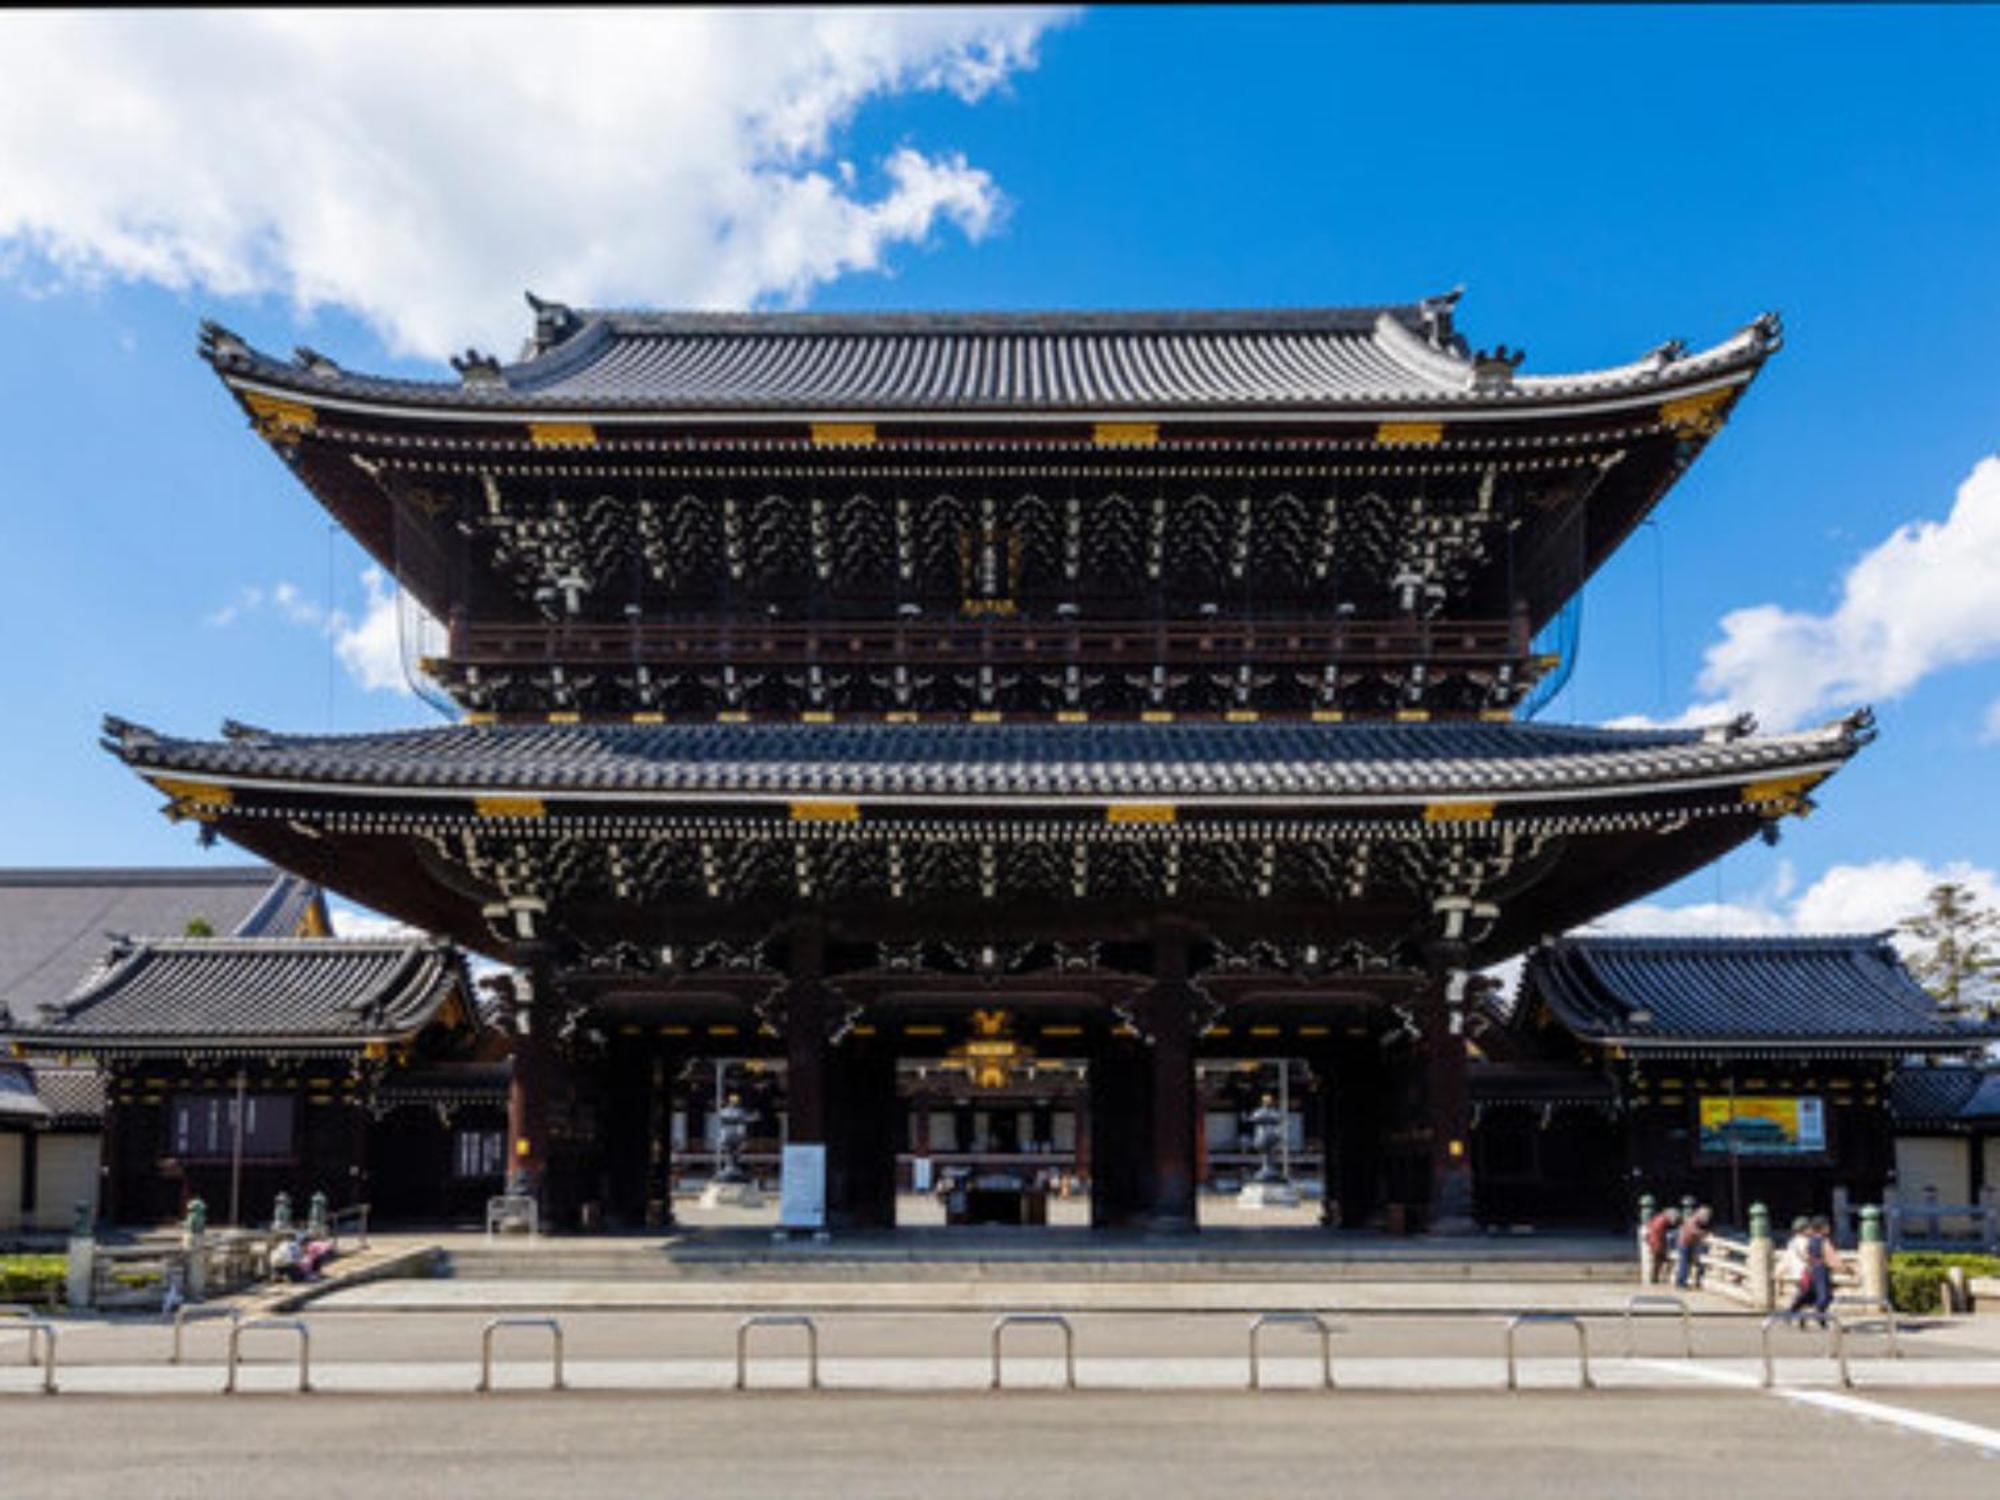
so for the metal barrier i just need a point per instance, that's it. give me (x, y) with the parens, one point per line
(1880, 1305)
(1053, 1320)
(247, 1325)
(1659, 1303)
(777, 1320)
(513, 1208)
(1302, 1320)
(1582, 1344)
(1836, 1344)
(187, 1313)
(486, 1348)
(37, 1328)
(34, 1318)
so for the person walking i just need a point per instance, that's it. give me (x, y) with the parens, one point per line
(1792, 1259)
(1693, 1235)
(1659, 1229)
(1820, 1260)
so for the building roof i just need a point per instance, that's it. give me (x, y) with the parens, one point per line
(1946, 1098)
(1192, 761)
(1295, 359)
(20, 1106)
(54, 923)
(1681, 992)
(250, 993)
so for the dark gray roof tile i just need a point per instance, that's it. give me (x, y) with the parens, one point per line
(1279, 760)
(1663, 990)
(223, 991)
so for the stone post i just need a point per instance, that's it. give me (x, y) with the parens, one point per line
(1647, 1270)
(1874, 1255)
(82, 1255)
(1762, 1280)
(194, 1240)
(281, 1214)
(316, 1220)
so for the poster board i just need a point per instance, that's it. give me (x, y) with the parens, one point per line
(1763, 1125)
(802, 1187)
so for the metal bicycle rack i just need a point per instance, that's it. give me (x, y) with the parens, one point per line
(1659, 1303)
(32, 1318)
(1886, 1315)
(248, 1325)
(1836, 1344)
(1050, 1320)
(494, 1325)
(186, 1314)
(1553, 1318)
(777, 1320)
(35, 1328)
(1313, 1321)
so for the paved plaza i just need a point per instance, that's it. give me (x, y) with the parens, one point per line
(1021, 1445)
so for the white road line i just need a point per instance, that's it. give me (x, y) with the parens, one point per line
(1950, 1429)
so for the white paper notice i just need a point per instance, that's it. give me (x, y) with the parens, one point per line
(802, 1188)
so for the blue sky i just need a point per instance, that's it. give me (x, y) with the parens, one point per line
(1598, 180)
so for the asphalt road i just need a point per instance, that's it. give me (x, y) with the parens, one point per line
(1107, 1447)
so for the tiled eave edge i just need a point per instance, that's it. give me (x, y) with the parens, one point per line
(1637, 1048)
(1398, 408)
(106, 1045)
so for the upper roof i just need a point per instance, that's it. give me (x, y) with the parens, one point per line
(250, 992)
(1304, 360)
(20, 1106)
(1270, 761)
(54, 922)
(1668, 992)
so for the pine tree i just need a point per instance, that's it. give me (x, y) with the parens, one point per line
(1957, 949)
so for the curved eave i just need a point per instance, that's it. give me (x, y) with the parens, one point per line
(1831, 1042)
(110, 1044)
(1732, 363)
(1771, 775)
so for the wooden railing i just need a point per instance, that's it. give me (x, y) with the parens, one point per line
(991, 639)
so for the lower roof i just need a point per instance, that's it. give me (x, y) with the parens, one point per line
(1278, 761)
(1681, 993)
(55, 922)
(249, 994)
(1947, 1098)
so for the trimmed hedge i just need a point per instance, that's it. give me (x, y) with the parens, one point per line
(33, 1278)
(1915, 1276)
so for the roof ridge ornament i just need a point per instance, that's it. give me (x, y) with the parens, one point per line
(313, 362)
(1493, 369)
(476, 368)
(1436, 313)
(554, 322)
(220, 346)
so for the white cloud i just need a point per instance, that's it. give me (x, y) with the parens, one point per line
(351, 921)
(1870, 897)
(421, 168)
(368, 645)
(1920, 601)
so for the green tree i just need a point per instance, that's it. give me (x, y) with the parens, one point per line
(1957, 949)
(198, 927)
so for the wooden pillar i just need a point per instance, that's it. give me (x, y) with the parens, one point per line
(1447, 1102)
(1169, 1026)
(661, 1067)
(861, 1146)
(528, 1085)
(625, 1145)
(1119, 1124)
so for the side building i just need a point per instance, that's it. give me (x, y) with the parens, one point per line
(257, 1056)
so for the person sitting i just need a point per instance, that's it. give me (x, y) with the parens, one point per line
(287, 1259)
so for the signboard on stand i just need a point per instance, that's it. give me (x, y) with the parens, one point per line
(1763, 1125)
(802, 1187)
